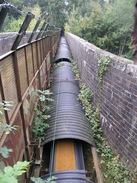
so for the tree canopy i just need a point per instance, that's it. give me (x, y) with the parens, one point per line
(54, 11)
(105, 23)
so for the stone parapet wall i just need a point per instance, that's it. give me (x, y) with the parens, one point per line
(7, 39)
(118, 99)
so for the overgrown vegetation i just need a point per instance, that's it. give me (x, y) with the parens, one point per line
(5, 106)
(39, 180)
(75, 69)
(102, 68)
(14, 19)
(40, 124)
(10, 174)
(106, 25)
(112, 169)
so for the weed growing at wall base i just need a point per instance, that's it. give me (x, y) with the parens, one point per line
(39, 180)
(112, 169)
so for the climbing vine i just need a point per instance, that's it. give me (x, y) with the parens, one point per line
(102, 68)
(112, 169)
(40, 124)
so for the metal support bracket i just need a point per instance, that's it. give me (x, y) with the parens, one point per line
(41, 31)
(3, 13)
(34, 30)
(44, 33)
(22, 30)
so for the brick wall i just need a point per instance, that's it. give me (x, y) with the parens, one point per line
(119, 96)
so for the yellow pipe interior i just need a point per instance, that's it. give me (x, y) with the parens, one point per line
(65, 155)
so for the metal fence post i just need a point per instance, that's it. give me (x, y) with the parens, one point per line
(40, 32)
(38, 66)
(3, 99)
(26, 65)
(34, 30)
(16, 71)
(22, 30)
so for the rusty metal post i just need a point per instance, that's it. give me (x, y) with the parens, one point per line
(32, 59)
(3, 14)
(16, 71)
(96, 164)
(51, 51)
(34, 30)
(22, 30)
(40, 52)
(44, 33)
(43, 48)
(3, 99)
(41, 31)
(26, 65)
(38, 66)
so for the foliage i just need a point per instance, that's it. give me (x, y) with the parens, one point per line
(11, 174)
(75, 69)
(20, 5)
(39, 180)
(5, 106)
(107, 25)
(40, 124)
(8, 128)
(36, 11)
(14, 20)
(4, 151)
(112, 169)
(102, 68)
(54, 11)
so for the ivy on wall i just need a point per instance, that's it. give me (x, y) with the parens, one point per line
(112, 168)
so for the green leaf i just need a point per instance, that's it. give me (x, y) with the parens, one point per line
(45, 116)
(10, 128)
(1, 103)
(37, 180)
(6, 109)
(7, 179)
(9, 171)
(5, 151)
(42, 98)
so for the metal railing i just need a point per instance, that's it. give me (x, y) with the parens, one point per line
(22, 72)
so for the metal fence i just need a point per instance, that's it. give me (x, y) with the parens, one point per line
(22, 72)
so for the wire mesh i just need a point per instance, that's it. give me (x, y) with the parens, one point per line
(22, 70)
(2, 117)
(29, 62)
(43, 73)
(35, 56)
(9, 82)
